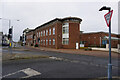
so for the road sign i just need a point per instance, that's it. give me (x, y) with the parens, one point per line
(108, 17)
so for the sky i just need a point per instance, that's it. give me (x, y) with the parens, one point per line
(34, 13)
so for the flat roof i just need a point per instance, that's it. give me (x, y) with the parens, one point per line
(98, 32)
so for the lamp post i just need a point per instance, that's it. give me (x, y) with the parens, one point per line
(109, 64)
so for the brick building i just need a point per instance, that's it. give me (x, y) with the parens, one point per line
(99, 39)
(65, 33)
(57, 33)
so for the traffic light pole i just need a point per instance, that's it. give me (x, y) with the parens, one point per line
(10, 33)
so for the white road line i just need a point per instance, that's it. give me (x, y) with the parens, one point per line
(30, 72)
(11, 74)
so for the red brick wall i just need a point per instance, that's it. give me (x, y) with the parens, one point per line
(48, 36)
(95, 39)
(28, 40)
(59, 35)
(74, 33)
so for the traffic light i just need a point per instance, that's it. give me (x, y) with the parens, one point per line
(10, 31)
(20, 38)
(8, 36)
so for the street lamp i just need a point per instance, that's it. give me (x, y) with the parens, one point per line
(109, 64)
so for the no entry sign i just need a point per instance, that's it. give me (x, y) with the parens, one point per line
(108, 17)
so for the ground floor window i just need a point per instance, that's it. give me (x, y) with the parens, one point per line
(49, 41)
(41, 42)
(53, 41)
(65, 41)
(46, 41)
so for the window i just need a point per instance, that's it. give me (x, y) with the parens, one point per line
(31, 36)
(46, 32)
(41, 42)
(65, 41)
(49, 41)
(53, 41)
(46, 41)
(37, 34)
(41, 33)
(54, 31)
(49, 31)
(65, 28)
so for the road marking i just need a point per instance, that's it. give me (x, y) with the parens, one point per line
(30, 72)
(55, 58)
(11, 74)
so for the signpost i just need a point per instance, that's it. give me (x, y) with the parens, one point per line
(108, 17)
(108, 21)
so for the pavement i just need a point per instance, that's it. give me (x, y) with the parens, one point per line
(74, 51)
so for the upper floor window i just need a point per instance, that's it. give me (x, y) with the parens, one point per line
(46, 32)
(49, 31)
(41, 33)
(54, 31)
(37, 34)
(31, 36)
(65, 28)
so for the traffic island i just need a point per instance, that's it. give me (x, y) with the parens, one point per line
(14, 56)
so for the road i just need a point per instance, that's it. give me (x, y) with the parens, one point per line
(59, 65)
